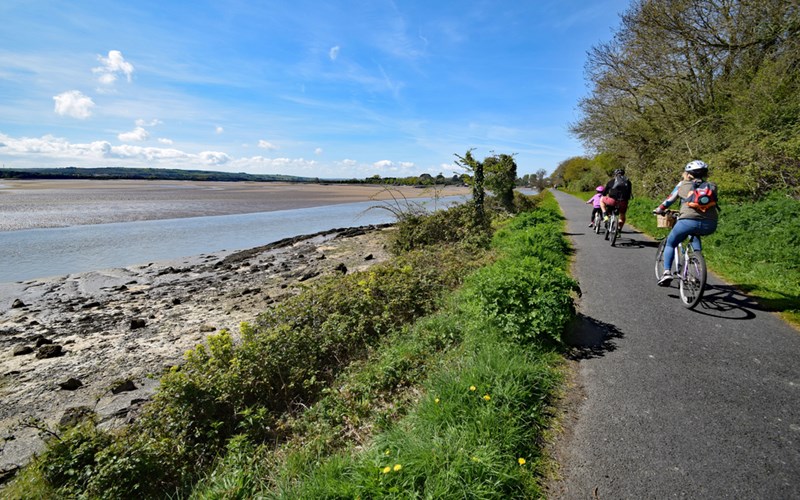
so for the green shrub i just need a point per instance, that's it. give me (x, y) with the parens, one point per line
(453, 225)
(527, 299)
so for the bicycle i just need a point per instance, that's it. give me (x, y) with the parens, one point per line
(598, 221)
(612, 226)
(688, 266)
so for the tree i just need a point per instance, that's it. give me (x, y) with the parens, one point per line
(468, 163)
(501, 177)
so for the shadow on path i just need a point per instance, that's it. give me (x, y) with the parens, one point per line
(590, 338)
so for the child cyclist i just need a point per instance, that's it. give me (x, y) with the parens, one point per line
(692, 219)
(595, 201)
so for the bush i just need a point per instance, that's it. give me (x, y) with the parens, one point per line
(458, 224)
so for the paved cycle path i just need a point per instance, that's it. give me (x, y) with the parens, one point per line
(674, 403)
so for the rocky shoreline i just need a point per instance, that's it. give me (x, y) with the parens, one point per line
(95, 343)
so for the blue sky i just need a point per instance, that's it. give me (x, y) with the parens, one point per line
(310, 88)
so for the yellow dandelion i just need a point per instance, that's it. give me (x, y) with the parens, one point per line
(487, 397)
(387, 469)
(521, 461)
(388, 452)
(436, 401)
(397, 467)
(472, 388)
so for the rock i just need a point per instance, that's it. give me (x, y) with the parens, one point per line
(21, 350)
(207, 328)
(7, 474)
(341, 268)
(123, 386)
(176, 301)
(49, 351)
(137, 323)
(75, 415)
(70, 384)
(307, 276)
(41, 340)
(17, 304)
(369, 257)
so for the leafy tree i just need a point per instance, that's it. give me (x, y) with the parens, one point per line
(501, 177)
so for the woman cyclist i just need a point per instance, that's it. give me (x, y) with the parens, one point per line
(691, 220)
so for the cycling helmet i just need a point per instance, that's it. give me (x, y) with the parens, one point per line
(600, 189)
(619, 171)
(696, 166)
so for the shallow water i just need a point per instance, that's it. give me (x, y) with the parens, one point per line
(39, 253)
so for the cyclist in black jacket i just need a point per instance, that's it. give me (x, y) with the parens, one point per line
(617, 194)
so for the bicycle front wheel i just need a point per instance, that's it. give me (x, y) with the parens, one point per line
(693, 279)
(597, 222)
(612, 228)
(660, 258)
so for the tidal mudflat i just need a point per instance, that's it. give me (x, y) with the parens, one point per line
(28, 204)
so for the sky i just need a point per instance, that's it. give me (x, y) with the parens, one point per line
(329, 89)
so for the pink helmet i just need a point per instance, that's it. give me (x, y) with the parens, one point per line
(599, 189)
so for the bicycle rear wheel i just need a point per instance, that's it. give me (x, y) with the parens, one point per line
(597, 222)
(660, 258)
(693, 280)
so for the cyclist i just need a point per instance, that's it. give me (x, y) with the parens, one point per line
(691, 220)
(617, 192)
(595, 201)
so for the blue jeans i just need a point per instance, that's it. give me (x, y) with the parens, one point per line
(682, 229)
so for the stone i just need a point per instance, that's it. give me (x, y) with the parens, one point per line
(49, 351)
(137, 323)
(123, 386)
(21, 350)
(70, 384)
(42, 340)
(369, 257)
(341, 268)
(75, 415)
(17, 304)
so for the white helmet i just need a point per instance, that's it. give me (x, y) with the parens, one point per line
(695, 165)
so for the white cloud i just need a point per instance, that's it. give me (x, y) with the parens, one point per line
(219, 130)
(164, 140)
(399, 168)
(383, 164)
(73, 103)
(318, 151)
(137, 134)
(113, 65)
(214, 158)
(334, 52)
(349, 163)
(267, 145)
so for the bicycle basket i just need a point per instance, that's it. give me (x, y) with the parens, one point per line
(665, 220)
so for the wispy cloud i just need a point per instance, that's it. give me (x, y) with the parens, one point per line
(113, 65)
(136, 135)
(334, 52)
(267, 145)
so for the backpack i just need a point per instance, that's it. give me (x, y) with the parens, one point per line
(702, 196)
(618, 187)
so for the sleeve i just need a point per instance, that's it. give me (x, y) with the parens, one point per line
(672, 198)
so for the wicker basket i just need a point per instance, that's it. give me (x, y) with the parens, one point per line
(666, 220)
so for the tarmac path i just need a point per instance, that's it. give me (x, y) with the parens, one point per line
(673, 403)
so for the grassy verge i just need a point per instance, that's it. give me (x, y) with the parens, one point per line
(382, 383)
(756, 247)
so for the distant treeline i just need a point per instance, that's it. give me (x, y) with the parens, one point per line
(203, 175)
(145, 174)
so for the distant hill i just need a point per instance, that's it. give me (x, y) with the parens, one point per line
(145, 173)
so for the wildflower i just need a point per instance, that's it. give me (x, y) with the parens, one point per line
(397, 467)
(487, 397)
(436, 401)
(388, 452)
(521, 461)
(387, 469)
(472, 388)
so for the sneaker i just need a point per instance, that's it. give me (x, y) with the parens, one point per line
(605, 218)
(666, 279)
(591, 224)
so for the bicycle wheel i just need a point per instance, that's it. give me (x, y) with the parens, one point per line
(693, 279)
(660, 258)
(612, 228)
(606, 225)
(597, 222)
